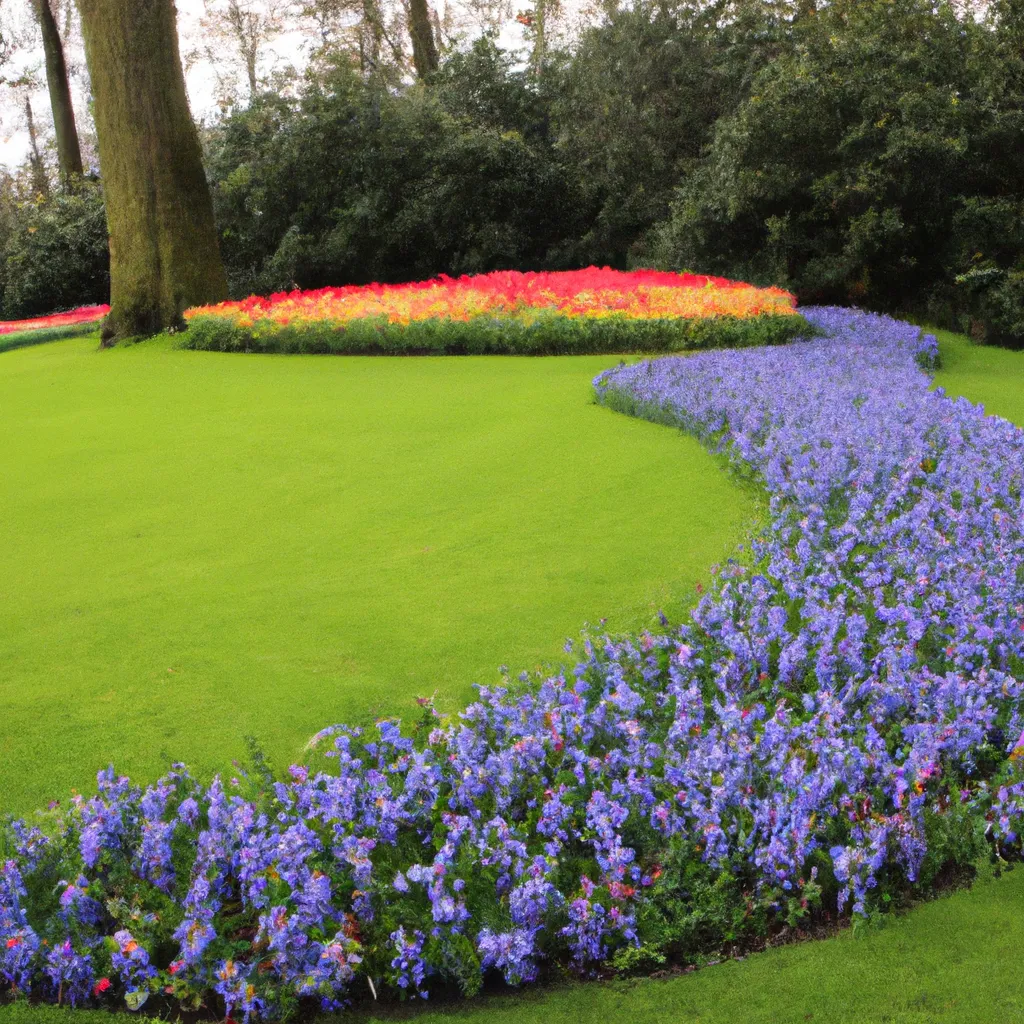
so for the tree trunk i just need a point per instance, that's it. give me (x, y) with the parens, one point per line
(540, 37)
(40, 183)
(424, 46)
(69, 154)
(164, 255)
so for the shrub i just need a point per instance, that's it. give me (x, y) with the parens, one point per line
(357, 182)
(56, 255)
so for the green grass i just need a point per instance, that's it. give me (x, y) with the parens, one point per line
(201, 546)
(993, 377)
(954, 961)
(21, 339)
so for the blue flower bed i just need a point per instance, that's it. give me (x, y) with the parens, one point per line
(836, 725)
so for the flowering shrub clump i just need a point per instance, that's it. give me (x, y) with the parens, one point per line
(837, 724)
(590, 310)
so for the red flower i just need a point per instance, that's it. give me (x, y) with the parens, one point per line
(16, 941)
(100, 987)
(175, 967)
(82, 315)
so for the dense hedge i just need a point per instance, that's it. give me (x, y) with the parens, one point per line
(53, 253)
(550, 334)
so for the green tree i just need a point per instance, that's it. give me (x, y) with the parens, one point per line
(841, 171)
(634, 104)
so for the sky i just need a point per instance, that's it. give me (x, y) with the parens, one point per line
(201, 78)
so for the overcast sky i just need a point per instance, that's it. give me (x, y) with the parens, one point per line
(201, 78)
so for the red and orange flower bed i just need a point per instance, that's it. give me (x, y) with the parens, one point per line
(581, 311)
(15, 333)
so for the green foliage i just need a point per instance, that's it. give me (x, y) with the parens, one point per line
(871, 162)
(55, 254)
(636, 960)
(857, 151)
(351, 184)
(547, 334)
(635, 103)
(20, 339)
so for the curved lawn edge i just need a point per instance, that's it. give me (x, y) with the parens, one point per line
(546, 334)
(23, 339)
(611, 807)
(51, 327)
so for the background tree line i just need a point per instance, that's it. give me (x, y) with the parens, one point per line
(856, 151)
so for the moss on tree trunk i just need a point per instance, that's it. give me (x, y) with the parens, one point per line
(164, 255)
(424, 46)
(69, 154)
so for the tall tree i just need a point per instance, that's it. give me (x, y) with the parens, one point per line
(538, 24)
(424, 46)
(69, 154)
(248, 27)
(40, 182)
(164, 255)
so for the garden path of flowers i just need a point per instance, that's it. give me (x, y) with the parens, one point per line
(838, 721)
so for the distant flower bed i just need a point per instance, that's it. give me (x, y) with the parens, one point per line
(72, 318)
(15, 333)
(837, 724)
(592, 310)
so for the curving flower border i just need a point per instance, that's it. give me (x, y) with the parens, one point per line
(838, 722)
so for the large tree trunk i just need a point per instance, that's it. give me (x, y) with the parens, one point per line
(424, 46)
(164, 255)
(69, 154)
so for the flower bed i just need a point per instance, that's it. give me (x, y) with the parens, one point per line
(836, 725)
(15, 333)
(583, 311)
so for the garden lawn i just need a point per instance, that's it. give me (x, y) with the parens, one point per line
(993, 377)
(199, 547)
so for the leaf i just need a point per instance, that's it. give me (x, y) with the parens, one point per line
(136, 1000)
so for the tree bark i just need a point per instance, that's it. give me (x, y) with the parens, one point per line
(424, 46)
(40, 183)
(164, 255)
(69, 153)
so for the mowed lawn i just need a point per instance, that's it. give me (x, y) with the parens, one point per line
(992, 377)
(199, 547)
